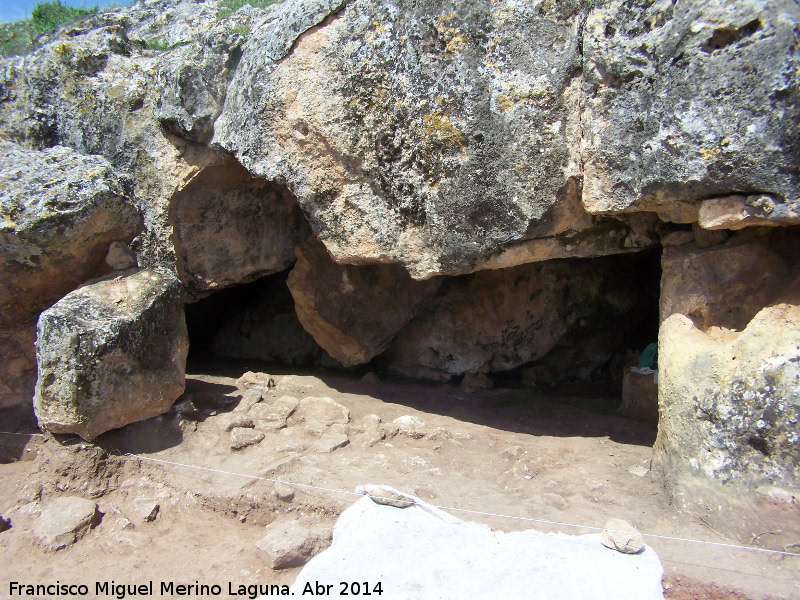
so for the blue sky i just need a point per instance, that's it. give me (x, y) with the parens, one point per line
(16, 10)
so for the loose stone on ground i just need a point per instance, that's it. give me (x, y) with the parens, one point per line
(64, 521)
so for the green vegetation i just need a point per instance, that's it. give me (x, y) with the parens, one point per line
(232, 6)
(161, 44)
(18, 37)
(46, 16)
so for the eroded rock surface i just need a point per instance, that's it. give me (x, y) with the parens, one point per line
(231, 228)
(729, 369)
(353, 312)
(499, 320)
(427, 135)
(59, 213)
(111, 353)
(723, 285)
(660, 135)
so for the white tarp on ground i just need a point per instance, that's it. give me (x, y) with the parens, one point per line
(422, 552)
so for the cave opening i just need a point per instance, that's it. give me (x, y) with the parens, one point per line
(605, 322)
(253, 322)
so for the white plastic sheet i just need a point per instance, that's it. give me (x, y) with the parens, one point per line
(421, 552)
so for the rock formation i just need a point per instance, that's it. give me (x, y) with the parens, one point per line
(254, 225)
(729, 350)
(60, 213)
(499, 320)
(111, 353)
(353, 312)
(360, 147)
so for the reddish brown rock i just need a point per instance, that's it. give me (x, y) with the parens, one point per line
(353, 312)
(498, 320)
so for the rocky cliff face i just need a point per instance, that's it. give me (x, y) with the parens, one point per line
(367, 146)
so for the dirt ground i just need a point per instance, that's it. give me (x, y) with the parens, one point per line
(568, 460)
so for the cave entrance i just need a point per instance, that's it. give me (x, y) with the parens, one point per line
(253, 322)
(590, 366)
(598, 313)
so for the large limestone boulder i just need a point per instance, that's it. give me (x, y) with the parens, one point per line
(428, 135)
(730, 402)
(111, 353)
(691, 101)
(353, 312)
(59, 213)
(138, 85)
(498, 320)
(729, 363)
(230, 228)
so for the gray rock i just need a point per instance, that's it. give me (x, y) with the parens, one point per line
(255, 226)
(283, 492)
(372, 432)
(255, 381)
(120, 256)
(228, 421)
(104, 88)
(104, 340)
(275, 410)
(64, 521)
(290, 446)
(190, 84)
(243, 437)
(4, 523)
(330, 441)
(386, 497)
(467, 118)
(292, 544)
(249, 399)
(315, 428)
(60, 211)
(621, 536)
(660, 136)
(290, 384)
(323, 410)
(145, 509)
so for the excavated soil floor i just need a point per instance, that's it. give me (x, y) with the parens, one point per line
(502, 451)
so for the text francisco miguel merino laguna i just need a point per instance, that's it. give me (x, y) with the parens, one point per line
(120, 591)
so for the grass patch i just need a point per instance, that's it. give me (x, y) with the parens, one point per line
(160, 44)
(46, 16)
(231, 6)
(18, 37)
